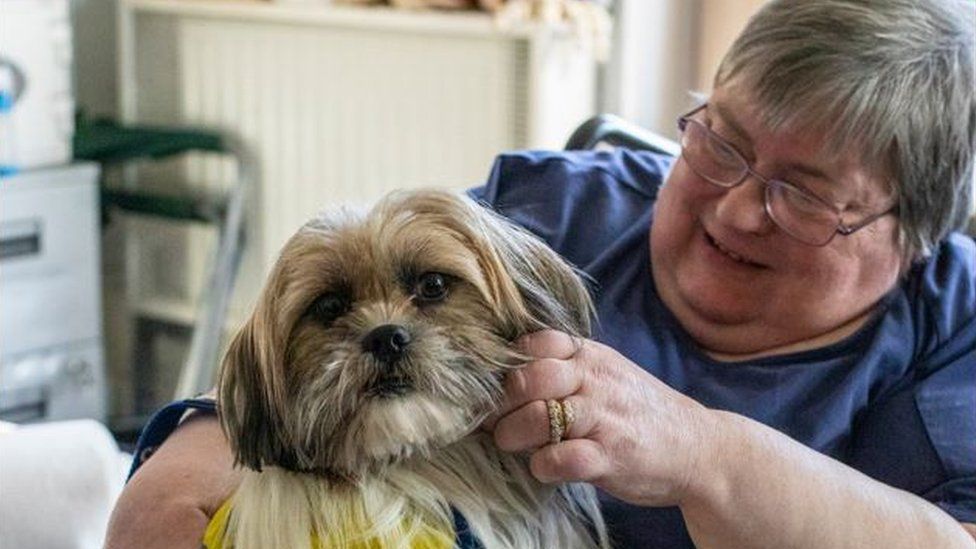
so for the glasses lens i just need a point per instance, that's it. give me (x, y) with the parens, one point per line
(800, 214)
(710, 157)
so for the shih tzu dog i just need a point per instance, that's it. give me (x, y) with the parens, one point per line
(353, 395)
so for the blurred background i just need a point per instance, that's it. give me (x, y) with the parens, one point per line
(155, 155)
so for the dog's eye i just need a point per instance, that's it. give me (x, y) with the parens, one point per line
(431, 287)
(328, 307)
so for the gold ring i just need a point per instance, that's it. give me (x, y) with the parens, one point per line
(569, 415)
(557, 421)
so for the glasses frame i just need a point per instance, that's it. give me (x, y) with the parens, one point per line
(768, 183)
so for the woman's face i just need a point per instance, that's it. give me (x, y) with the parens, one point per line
(737, 282)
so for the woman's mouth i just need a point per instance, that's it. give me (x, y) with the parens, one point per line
(729, 253)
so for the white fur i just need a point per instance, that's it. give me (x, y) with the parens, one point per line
(504, 505)
(397, 427)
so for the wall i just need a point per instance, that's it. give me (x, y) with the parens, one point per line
(719, 22)
(665, 49)
(654, 62)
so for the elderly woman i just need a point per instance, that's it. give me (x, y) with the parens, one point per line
(790, 359)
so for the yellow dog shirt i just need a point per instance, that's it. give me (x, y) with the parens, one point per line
(427, 538)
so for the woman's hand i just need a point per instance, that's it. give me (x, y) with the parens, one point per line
(633, 436)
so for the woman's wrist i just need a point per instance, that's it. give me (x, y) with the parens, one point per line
(708, 474)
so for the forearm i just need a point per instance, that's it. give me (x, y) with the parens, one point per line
(170, 499)
(163, 524)
(759, 488)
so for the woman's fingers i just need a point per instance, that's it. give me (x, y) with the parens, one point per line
(549, 344)
(631, 434)
(538, 380)
(527, 428)
(574, 460)
(550, 375)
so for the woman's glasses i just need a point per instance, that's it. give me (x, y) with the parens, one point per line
(800, 213)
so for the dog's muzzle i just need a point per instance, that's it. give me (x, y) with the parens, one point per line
(388, 344)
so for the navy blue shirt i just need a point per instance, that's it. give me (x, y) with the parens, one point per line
(896, 400)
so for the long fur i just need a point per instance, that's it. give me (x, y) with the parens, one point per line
(324, 454)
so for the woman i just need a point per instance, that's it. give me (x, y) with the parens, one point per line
(790, 360)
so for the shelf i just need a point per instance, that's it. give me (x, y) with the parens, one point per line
(170, 310)
(468, 23)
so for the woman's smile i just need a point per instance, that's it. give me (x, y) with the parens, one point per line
(725, 253)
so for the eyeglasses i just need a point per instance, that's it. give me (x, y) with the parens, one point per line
(798, 212)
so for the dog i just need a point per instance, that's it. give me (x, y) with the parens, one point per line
(352, 397)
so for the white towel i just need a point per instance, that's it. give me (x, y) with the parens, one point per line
(58, 483)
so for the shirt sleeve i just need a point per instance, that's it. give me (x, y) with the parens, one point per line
(946, 402)
(945, 392)
(921, 436)
(575, 201)
(163, 423)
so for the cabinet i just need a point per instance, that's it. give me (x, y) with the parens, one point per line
(51, 353)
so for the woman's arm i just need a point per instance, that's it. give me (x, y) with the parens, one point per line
(760, 488)
(169, 501)
(739, 483)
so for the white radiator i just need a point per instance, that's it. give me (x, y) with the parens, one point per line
(340, 105)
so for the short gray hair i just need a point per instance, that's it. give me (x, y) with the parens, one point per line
(894, 78)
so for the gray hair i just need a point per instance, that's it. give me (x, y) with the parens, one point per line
(891, 78)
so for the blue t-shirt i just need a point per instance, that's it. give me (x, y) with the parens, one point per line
(896, 400)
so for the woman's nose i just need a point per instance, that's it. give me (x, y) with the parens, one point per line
(743, 207)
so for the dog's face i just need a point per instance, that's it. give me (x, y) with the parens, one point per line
(384, 336)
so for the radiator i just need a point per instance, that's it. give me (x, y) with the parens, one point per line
(340, 105)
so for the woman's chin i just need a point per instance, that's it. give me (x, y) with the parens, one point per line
(706, 300)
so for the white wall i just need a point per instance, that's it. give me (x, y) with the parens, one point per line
(655, 62)
(663, 50)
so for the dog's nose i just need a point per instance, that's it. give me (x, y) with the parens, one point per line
(387, 342)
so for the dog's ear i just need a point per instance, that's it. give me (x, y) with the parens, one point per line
(548, 291)
(251, 389)
(528, 285)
